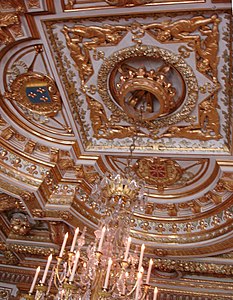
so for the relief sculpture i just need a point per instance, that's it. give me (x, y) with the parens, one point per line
(103, 127)
(85, 38)
(7, 20)
(127, 2)
(180, 29)
(71, 3)
(8, 203)
(191, 30)
(207, 50)
(209, 118)
(132, 83)
(80, 55)
(20, 224)
(99, 36)
(207, 128)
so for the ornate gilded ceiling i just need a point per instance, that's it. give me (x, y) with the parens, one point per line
(79, 81)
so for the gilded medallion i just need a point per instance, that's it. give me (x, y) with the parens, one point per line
(160, 172)
(147, 76)
(37, 93)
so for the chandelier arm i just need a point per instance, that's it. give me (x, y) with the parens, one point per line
(70, 263)
(146, 290)
(133, 289)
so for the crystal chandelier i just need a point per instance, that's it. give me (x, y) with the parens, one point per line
(106, 268)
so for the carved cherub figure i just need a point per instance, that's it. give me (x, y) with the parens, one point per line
(188, 132)
(80, 56)
(209, 118)
(103, 128)
(207, 49)
(98, 36)
(97, 115)
(180, 29)
(207, 128)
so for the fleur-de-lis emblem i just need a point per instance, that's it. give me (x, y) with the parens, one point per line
(40, 90)
(32, 95)
(43, 98)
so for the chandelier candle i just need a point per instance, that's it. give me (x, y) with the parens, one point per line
(108, 273)
(46, 269)
(149, 271)
(127, 249)
(141, 257)
(77, 255)
(74, 239)
(101, 239)
(155, 293)
(34, 280)
(138, 285)
(63, 244)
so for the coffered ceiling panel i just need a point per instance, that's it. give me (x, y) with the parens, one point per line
(82, 83)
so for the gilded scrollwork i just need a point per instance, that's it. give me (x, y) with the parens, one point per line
(34, 94)
(225, 183)
(7, 133)
(17, 5)
(66, 164)
(97, 115)
(64, 215)
(11, 258)
(166, 264)
(24, 249)
(4, 294)
(170, 223)
(7, 20)
(196, 34)
(209, 118)
(160, 55)
(33, 3)
(30, 147)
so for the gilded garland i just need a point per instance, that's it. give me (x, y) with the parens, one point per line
(157, 86)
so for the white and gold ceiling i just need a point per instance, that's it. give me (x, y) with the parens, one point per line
(79, 80)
